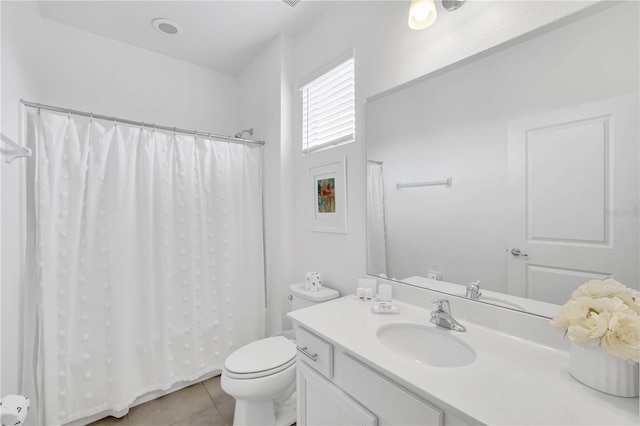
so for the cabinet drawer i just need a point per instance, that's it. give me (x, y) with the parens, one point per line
(315, 351)
(392, 404)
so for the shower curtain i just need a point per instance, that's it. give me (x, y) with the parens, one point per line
(376, 233)
(149, 260)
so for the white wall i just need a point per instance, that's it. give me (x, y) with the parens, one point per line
(85, 71)
(50, 63)
(265, 92)
(20, 71)
(387, 53)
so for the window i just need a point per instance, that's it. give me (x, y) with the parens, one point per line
(328, 109)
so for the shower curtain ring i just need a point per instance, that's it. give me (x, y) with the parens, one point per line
(69, 114)
(38, 109)
(90, 117)
(154, 127)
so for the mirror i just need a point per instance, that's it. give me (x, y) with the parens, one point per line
(517, 168)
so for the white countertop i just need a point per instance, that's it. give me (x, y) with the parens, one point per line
(512, 381)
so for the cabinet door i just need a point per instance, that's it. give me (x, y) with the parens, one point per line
(391, 403)
(321, 403)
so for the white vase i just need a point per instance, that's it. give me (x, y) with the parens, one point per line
(597, 369)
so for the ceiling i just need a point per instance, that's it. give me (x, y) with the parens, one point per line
(220, 35)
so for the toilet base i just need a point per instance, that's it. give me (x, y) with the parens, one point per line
(262, 413)
(286, 414)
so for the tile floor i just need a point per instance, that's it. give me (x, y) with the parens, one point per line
(202, 404)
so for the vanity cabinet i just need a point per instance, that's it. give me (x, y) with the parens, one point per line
(320, 402)
(352, 393)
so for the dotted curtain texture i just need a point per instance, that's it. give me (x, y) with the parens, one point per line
(149, 260)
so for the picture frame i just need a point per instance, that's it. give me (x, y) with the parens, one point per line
(328, 193)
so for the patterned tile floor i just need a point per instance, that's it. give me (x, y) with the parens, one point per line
(202, 404)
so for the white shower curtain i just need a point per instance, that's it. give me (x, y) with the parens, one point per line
(149, 259)
(376, 233)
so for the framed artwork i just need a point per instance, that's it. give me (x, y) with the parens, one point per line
(329, 197)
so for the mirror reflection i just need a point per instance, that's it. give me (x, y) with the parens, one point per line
(515, 171)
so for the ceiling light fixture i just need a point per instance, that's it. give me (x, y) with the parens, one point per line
(422, 13)
(166, 26)
(452, 5)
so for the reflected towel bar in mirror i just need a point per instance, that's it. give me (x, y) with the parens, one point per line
(447, 182)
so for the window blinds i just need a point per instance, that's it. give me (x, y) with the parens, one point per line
(328, 109)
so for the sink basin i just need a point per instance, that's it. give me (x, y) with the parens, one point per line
(426, 345)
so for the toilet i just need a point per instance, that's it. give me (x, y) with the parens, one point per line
(261, 375)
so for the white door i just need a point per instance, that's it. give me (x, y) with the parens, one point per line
(573, 198)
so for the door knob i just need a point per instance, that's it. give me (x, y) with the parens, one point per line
(516, 252)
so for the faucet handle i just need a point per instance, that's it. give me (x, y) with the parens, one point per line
(442, 304)
(473, 290)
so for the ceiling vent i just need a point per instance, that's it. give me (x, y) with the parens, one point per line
(291, 3)
(166, 26)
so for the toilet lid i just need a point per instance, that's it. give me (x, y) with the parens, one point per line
(261, 355)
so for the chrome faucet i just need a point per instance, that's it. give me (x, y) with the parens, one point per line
(442, 316)
(473, 290)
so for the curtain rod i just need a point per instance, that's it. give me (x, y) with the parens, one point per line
(140, 123)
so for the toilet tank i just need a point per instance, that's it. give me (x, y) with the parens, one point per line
(302, 298)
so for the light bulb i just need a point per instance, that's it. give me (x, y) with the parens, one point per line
(421, 12)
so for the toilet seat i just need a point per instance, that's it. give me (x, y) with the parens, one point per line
(259, 374)
(261, 358)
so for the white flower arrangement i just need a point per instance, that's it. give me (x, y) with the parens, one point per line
(604, 313)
